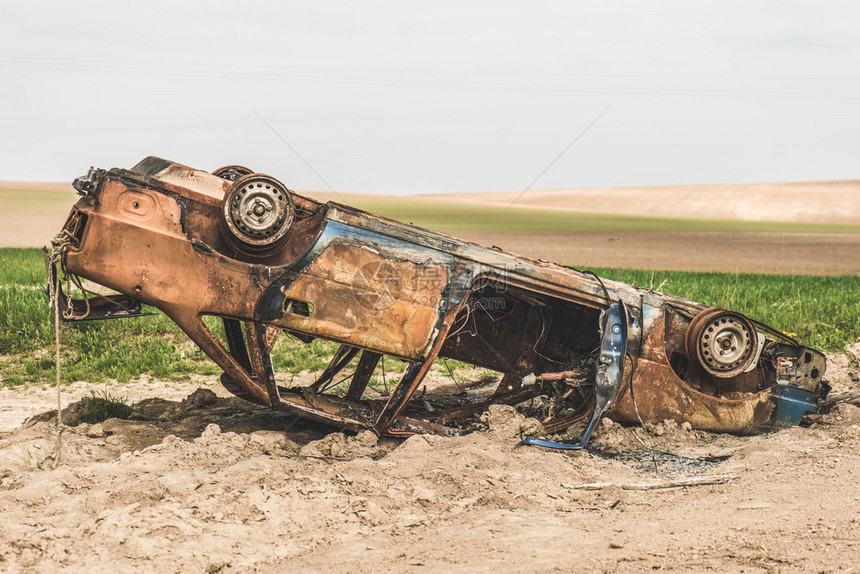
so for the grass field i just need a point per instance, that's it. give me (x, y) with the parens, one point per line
(818, 311)
(821, 311)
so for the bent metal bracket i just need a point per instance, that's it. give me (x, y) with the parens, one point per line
(240, 247)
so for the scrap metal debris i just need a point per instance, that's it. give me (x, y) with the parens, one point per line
(239, 246)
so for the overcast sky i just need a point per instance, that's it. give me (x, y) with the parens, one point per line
(411, 97)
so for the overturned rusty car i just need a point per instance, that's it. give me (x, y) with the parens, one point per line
(241, 247)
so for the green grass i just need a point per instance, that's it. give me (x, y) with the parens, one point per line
(820, 311)
(101, 406)
(22, 267)
(448, 217)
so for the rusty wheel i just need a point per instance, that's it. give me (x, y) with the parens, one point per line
(257, 214)
(722, 342)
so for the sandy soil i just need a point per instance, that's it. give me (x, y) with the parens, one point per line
(213, 484)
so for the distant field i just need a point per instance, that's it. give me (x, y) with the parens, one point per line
(820, 311)
(458, 217)
(30, 217)
(36, 200)
(465, 217)
(802, 202)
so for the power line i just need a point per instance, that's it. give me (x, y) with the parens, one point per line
(413, 79)
(399, 71)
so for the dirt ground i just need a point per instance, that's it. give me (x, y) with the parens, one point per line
(38, 232)
(207, 483)
(791, 253)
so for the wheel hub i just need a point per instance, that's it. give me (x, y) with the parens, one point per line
(723, 342)
(258, 210)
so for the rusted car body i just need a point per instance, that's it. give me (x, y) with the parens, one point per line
(241, 247)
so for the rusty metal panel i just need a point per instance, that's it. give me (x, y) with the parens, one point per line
(368, 300)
